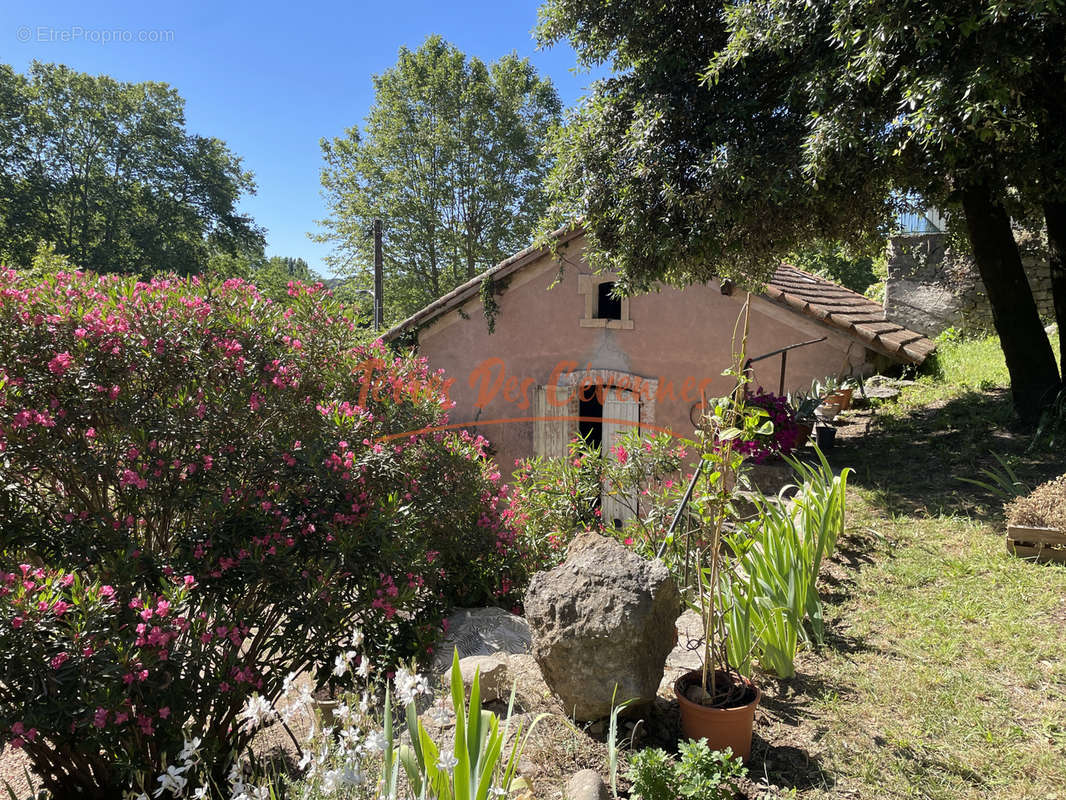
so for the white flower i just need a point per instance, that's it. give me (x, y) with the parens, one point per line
(190, 752)
(288, 684)
(447, 762)
(349, 739)
(343, 713)
(342, 662)
(375, 742)
(440, 713)
(357, 638)
(364, 668)
(336, 779)
(200, 794)
(256, 712)
(171, 781)
(498, 791)
(409, 686)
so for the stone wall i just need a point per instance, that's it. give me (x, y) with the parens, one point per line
(930, 287)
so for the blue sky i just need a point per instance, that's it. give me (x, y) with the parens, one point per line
(271, 78)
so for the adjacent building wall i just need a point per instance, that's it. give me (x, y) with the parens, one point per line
(681, 339)
(931, 288)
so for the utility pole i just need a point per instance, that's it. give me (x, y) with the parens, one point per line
(379, 306)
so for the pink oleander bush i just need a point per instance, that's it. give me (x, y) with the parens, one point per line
(202, 491)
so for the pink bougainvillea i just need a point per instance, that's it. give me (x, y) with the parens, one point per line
(787, 435)
(219, 488)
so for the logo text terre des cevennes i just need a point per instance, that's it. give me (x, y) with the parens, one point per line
(491, 380)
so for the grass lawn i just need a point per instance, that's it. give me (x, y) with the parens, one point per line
(946, 673)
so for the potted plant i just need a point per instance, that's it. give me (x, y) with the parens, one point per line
(717, 702)
(804, 405)
(838, 391)
(826, 436)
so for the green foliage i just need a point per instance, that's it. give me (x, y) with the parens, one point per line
(701, 773)
(271, 276)
(708, 774)
(651, 772)
(770, 590)
(477, 765)
(450, 158)
(684, 179)
(730, 134)
(612, 740)
(1001, 481)
(106, 171)
(553, 500)
(832, 260)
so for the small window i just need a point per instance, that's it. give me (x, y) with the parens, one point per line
(607, 306)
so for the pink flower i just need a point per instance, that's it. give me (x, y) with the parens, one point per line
(60, 364)
(131, 478)
(107, 592)
(59, 660)
(16, 623)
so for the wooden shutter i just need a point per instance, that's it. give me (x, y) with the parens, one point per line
(549, 430)
(621, 415)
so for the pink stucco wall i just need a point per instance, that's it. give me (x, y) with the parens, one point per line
(680, 338)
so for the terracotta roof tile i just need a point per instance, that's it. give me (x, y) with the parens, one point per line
(849, 311)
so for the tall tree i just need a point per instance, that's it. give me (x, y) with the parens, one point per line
(271, 275)
(106, 172)
(731, 133)
(451, 159)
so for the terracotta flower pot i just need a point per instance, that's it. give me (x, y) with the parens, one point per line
(721, 727)
(842, 397)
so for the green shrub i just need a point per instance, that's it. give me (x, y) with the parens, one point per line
(701, 774)
(553, 500)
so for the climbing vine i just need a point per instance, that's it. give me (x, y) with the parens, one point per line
(490, 290)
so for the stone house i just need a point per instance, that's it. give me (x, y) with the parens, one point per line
(522, 344)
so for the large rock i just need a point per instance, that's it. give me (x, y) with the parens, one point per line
(494, 677)
(604, 617)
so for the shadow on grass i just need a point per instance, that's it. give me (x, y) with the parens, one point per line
(911, 464)
(786, 765)
(922, 765)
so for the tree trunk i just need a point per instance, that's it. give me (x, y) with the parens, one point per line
(1055, 218)
(1034, 376)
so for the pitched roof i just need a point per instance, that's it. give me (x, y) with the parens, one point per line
(799, 291)
(460, 294)
(848, 311)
